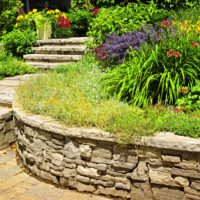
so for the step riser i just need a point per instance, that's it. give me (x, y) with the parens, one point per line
(59, 52)
(51, 61)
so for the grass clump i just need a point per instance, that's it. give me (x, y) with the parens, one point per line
(73, 95)
(10, 66)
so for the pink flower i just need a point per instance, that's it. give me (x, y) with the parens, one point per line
(195, 44)
(177, 54)
(95, 11)
(165, 23)
(170, 53)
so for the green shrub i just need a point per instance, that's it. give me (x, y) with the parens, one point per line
(79, 20)
(156, 73)
(120, 20)
(10, 66)
(8, 13)
(19, 42)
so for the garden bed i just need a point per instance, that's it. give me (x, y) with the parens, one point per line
(164, 166)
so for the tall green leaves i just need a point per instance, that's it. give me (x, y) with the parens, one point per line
(156, 74)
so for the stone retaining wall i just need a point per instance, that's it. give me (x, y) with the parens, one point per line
(164, 167)
(7, 134)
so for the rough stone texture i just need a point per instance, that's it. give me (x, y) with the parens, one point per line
(90, 160)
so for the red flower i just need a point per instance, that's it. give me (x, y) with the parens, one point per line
(170, 53)
(177, 110)
(63, 22)
(177, 54)
(195, 44)
(95, 11)
(165, 23)
(185, 90)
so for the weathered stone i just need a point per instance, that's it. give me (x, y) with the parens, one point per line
(132, 159)
(69, 172)
(115, 179)
(113, 192)
(101, 160)
(85, 151)
(56, 168)
(75, 161)
(171, 159)
(86, 171)
(191, 197)
(141, 191)
(83, 179)
(154, 162)
(85, 188)
(71, 166)
(56, 173)
(187, 165)
(47, 176)
(182, 181)
(102, 183)
(161, 178)
(192, 191)
(30, 158)
(54, 146)
(102, 153)
(140, 173)
(44, 166)
(34, 170)
(161, 193)
(116, 157)
(68, 182)
(58, 142)
(148, 152)
(91, 143)
(57, 159)
(121, 186)
(195, 185)
(71, 151)
(185, 173)
(170, 152)
(123, 167)
(113, 173)
(100, 167)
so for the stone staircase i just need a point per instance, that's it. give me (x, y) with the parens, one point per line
(49, 53)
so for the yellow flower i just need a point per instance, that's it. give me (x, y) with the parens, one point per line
(56, 16)
(30, 13)
(20, 17)
(34, 10)
(57, 11)
(16, 25)
(26, 17)
(198, 29)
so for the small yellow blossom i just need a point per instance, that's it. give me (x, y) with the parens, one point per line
(26, 17)
(16, 25)
(56, 16)
(34, 10)
(20, 17)
(198, 29)
(57, 11)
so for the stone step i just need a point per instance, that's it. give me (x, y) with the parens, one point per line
(44, 65)
(65, 49)
(52, 58)
(69, 41)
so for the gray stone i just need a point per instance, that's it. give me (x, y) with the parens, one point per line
(121, 186)
(154, 162)
(115, 179)
(56, 173)
(71, 166)
(86, 171)
(171, 159)
(69, 172)
(123, 167)
(83, 179)
(58, 142)
(75, 161)
(101, 160)
(114, 173)
(47, 176)
(100, 167)
(185, 173)
(71, 151)
(113, 192)
(85, 151)
(102, 183)
(187, 165)
(85, 188)
(161, 193)
(140, 173)
(102, 153)
(57, 159)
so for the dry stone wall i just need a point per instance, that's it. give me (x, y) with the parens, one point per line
(90, 160)
(7, 134)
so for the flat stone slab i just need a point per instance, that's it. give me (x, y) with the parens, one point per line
(45, 65)
(75, 40)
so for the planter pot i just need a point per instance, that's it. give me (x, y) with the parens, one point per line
(44, 31)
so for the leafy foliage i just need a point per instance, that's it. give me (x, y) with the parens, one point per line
(120, 20)
(10, 66)
(156, 74)
(19, 42)
(8, 13)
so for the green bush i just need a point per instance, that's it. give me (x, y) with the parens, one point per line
(120, 20)
(79, 21)
(8, 14)
(10, 66)
(19, 42)
(155, 74)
